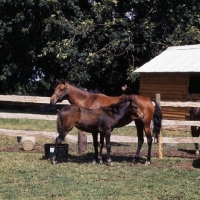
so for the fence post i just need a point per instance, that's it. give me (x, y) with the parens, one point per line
(82, 142)
(160, 142)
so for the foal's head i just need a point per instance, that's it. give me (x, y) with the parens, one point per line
(127, 106)
(133, 108)
(60, 92)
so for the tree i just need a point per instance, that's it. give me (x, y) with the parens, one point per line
(94, 44)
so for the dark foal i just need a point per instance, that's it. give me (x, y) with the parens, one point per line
(100, 120)
(195, 130)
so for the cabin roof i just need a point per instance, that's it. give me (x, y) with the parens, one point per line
(174, 59)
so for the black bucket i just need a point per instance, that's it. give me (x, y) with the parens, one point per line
(62, 152)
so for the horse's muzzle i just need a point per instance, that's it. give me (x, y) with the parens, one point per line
(52, 102)
(140, 116)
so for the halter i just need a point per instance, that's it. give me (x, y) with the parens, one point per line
(61, 96)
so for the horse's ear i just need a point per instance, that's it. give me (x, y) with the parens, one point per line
(123, 98)
(134, 104)
(60, 81)
(57, 81)
(63, 81)
(132, 100)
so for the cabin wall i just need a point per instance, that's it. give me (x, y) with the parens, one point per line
(171, 86)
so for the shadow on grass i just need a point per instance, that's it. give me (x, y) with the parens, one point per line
(196, 163)
(88, 158)
(187, 151)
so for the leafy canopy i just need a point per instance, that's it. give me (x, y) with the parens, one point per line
(95, 44)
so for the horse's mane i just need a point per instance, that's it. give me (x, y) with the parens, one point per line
(109, 110)
(62, 81)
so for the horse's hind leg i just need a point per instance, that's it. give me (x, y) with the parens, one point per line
(195, 133)
(101, 148)
(147, 131)
(95, 144)
(149, 142)
(108, 148)
(139, 127)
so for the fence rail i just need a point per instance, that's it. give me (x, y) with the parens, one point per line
(70, 138)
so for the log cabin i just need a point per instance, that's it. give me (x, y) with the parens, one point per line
(175, 74)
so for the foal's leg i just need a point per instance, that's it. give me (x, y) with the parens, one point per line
(59, 139)
(95, 144)
(108, 148)
(101, 147)
(139, 127)
(195, 131)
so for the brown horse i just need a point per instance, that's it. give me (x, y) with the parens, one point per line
(149, 108)
(195, 130)
(101, 120)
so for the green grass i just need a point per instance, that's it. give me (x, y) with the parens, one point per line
(27, 175)
(44, 125)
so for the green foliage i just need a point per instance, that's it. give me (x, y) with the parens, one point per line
(95, 44)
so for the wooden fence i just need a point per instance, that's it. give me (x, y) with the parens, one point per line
(169, 124)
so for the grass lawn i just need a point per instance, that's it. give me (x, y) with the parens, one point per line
(27, 175)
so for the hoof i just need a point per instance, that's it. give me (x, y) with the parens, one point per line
(110, 163)
(196, 152)
(135, 160)
(54, 162)
(94, 162)
(101, 162)
(147, 163)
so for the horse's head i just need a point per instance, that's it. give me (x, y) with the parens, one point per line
(129, 105)
(134, 110)
(60, 93)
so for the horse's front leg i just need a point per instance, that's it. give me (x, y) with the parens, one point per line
(195, 133)
(95, 144)
(139, 127)
(108, 148)
(101, 147)
(57, 143)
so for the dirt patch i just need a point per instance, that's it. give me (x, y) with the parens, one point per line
(125, 152)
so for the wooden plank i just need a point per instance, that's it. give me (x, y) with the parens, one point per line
(166, 97)
(28, 99)
(54, 117)
(180, 104)
(172, 123)
(40, 134)
(180, 140)
(180, 123)
(27, 116)
(164, 87)
(45, 100)
(114, 138)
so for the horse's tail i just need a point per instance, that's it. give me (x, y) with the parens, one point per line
(59, 124)
(157, 119)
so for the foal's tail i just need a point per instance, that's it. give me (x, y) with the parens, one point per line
(157, 119)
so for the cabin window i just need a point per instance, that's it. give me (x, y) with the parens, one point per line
(194, 83)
